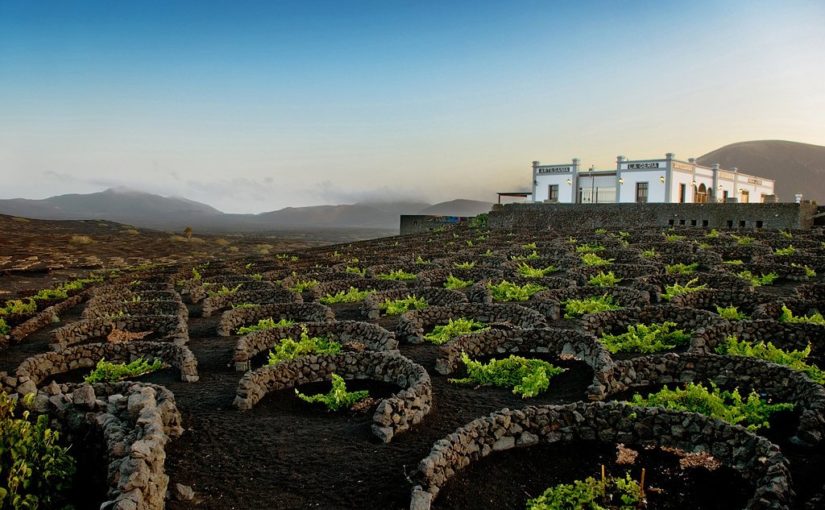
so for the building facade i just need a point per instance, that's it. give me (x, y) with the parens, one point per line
(666, 180)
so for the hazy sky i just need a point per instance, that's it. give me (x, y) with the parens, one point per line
(253, 106)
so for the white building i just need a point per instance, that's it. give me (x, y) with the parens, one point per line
(647, 180)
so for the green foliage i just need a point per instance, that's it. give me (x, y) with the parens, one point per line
(788, 316)
(533, 255)
(399, 306)
(456, 283)
(527, 377)
(590, 494)
(786, 234)
(677, 289)
(338, 397)
(784, 252)
(224, 291)
(593, 260)
(794, 360)
(420, 261)
(645, 339)
(19, 307)
(352, 295)
(731, 313)
(398, 274)
(488, 253)
(265, 324)
(355, 270)
(464, 265)
(589, 248)
(729, 406)
(289, 348)
(479, 221)
(672, 238)
(454, 328)
(743, 240)
(757, 280)
(304, 285)
(243, 306)
(257, 276)
(809, 271)
(682, 268)
(4, 327)
(650, 254)
(713, 234)
(35, 470)
(733, 262)
(529, 246)
(526, 270)
(603, 279)
(196, 275)
(106, 371)
(578, 307)
(505, 291)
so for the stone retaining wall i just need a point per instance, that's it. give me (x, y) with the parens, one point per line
(163, 327)
(785, 335)
(433, 295)
(745, 299)
(337, 286)
(231, 320)
(374, 338)
(616, 321)
(550, 302)
(394, 415)
(42, 319)
(213, 304)
(108, 310)
(412, 324)
(757, 459)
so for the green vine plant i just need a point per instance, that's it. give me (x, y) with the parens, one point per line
(814, 318)
(533, 255)
(795, 360)
(526, 270)
(786, 234)
(397, 275)
(591, 494)
(645, 339)
(351, 295)
(731, 313)
(505, 291)
(464, 265)
(650, 254)
(589, 248)
(4, 327)
(443, 333)
(809, 271)
(603, 279)
(526, 377)
(338, 397)
(593, 260)
(729, 406)
(574, 308)
(529, 246)
(35, 470)
(18, 307)
(355, 270)
(244, 306)
(683, 269)
(733, 262)
(304, 285)
(672, 238)
(713, 234)
(677, 289)
(785, 252)
(399, 306)
(454, 283)
(758, 280)
(743, 240)
(224, 291)
(264, 324)
(106, 371)
(289, 348)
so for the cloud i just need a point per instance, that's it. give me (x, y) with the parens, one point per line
(333, 193)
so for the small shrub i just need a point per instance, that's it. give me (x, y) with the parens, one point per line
(593, 260)
(398, 274)
(456, 283)
(794, 360)
(80, 240)
(528, 271)
(603, 279)
(222, 242)
(4, 327)
(733, 262)
(683, 269)
(590, 494)
(589, 248)
(533, 255)
(454, 328)
(646, 339)
(242, 306)
(672, 238)
(352, 295)
(304, 285)
(355, 270)
(731, 313)
(224, 291)
(464, 265)
(650, 254)
(420, 261)
(338, 397)
(713, 234)
(743, 240)
(505, 291)
(529, 246)
(785, 252)
(106, 371)
(265, 324)
(786, 234)
(289, 348)
(752, 413)
(577, 307)
(399, 306)
(19, 307)
(758, 280)
(809, 271)
(601, 231)
(671, 291)
(527, 377)
(788, 316)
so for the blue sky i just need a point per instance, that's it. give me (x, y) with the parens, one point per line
(253, 106)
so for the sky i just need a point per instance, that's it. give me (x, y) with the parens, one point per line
(254, 106)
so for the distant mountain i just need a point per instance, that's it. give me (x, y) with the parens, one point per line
(459, 207)
(174, 213)
(796, 167)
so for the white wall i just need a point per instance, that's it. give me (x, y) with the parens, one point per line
(565, 190)
(655, 188)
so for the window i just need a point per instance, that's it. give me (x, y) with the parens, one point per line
(682, 193)
(641, 192)
(553, 193)
(745, 196)
(725, 196)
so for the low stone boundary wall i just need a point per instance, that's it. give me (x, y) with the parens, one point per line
(779, 383)
(231, 320)
(623, 271)
(34, 370)
(213, 304)
(812, 291)
(133, 297)
(411, 325)
(127, 288)
(437, 277)
(334, 287)
(42, 319)
(164, 327)
(480, 292)
(564, 343)
(550, 302)
(433, 295)
(773, 309)
(744, 299)
(374, 338)
(112, 310)
(757, 459)
(655, 285)
(394, 415)
(784, 335)
(201, 292)
(614, 322)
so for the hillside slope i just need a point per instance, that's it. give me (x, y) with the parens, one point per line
(796, 167)
(459, 207)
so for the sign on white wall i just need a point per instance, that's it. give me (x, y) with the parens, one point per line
(644, 165)
(554, 170)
